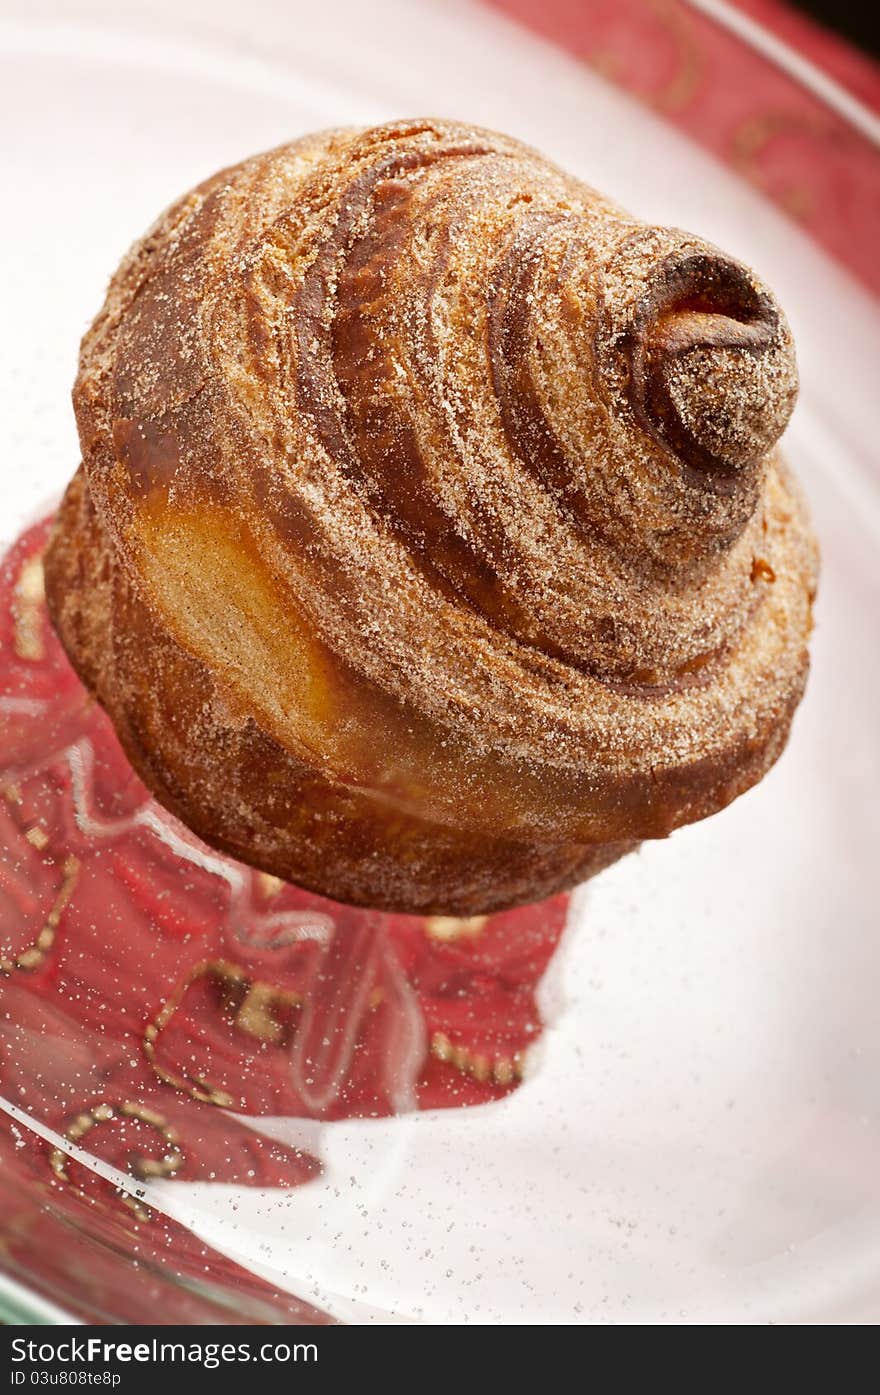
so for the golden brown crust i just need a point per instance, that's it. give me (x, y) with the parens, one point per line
(429, 546)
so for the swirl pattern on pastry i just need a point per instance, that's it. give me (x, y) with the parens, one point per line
(430, 546)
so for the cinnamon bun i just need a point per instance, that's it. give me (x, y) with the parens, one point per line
(430, 546)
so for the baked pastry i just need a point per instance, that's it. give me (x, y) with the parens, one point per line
(430, 547)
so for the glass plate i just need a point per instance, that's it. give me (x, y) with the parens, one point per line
(657, 1102)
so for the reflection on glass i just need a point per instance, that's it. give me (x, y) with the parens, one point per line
(155, 996)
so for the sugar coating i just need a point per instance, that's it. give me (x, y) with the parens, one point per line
(500, 457)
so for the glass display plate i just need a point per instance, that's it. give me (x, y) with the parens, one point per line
(222, 1099)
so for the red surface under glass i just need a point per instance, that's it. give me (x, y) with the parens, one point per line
(152, 989)
(752, 114)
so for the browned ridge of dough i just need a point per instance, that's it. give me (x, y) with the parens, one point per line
(430, 546)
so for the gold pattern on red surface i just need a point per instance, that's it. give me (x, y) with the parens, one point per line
(140, 1166)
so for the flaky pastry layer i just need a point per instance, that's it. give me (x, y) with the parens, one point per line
(430, 547)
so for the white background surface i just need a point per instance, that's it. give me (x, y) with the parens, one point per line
(699, 1138)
